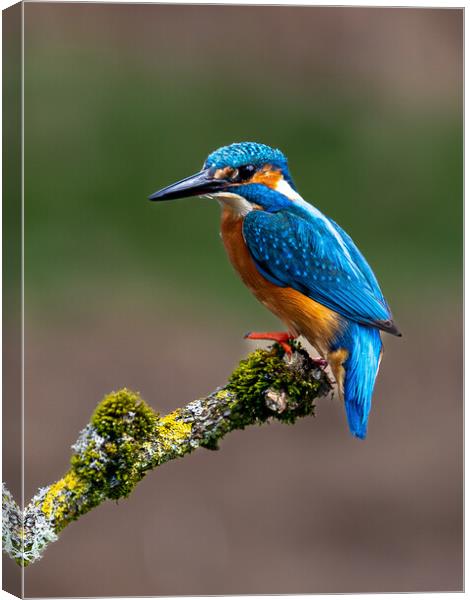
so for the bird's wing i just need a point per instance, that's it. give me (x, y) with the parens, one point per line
(317, 258)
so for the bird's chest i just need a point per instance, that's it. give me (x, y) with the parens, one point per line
(301, 314)
(231, 230)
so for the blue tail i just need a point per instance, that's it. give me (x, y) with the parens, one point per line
(364, 347)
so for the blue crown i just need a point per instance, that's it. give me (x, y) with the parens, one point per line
(245, 153)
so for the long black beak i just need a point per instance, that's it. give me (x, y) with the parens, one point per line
(196, 185)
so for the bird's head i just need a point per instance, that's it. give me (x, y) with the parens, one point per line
(243, 176)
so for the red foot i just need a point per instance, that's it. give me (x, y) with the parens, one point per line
(281, 337)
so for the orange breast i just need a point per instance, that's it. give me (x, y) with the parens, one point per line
(301, 314)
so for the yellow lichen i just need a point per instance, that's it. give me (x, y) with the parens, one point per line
(111, 448)
(173, 433)
(51, 495)
(72, 481)
(55, 503)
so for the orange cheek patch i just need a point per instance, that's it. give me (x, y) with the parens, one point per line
(224, 173)
(268, 177)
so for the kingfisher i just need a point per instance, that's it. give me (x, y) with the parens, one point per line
(300, 264)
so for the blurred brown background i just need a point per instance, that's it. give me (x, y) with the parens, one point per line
(366, 103)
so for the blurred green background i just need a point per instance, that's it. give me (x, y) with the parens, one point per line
(121, 100)
(108, 122)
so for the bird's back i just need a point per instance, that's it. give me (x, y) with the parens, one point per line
(309, 272)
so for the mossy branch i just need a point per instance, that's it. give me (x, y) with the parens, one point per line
(126, 438)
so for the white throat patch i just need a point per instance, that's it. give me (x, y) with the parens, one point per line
(234, 202)
(283, 187)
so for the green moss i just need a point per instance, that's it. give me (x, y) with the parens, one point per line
(264, 370)
(122, 425)
(124, 412)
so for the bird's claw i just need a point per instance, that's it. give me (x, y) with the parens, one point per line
(282, 338)
(286, 347)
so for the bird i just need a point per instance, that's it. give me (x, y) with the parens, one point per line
(300, 264)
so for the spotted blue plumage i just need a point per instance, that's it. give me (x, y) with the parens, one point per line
(298, 250)
(292, 247)
(295, 245)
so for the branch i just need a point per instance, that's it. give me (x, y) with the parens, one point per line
(126, 438)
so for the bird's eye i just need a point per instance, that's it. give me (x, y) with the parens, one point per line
(239, 175)
(245, 172)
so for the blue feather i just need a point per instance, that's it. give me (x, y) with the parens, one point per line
(243, 153)
(302, 251)
(299, 247)
(364, 348)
